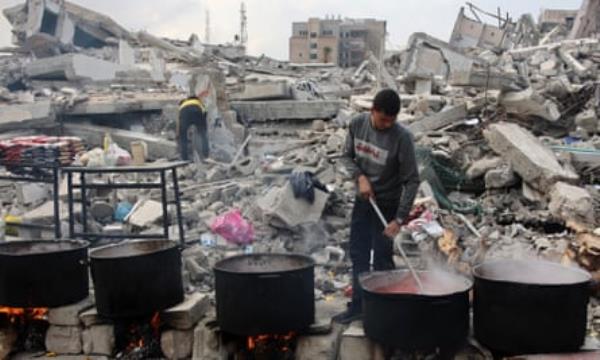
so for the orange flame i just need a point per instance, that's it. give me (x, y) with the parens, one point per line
(253, 341)
(24, 313)
(134, 330)
(155, 322)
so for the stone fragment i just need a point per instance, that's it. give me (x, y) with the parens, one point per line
(64, 339)
(177, 344)
(533, 161)
(570, 202)
(482, 166)
(69, 315)
(99, 340)
(527, 102)
(500, 178)
(187, 314)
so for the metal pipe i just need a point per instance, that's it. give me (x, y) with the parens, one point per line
(398, 245)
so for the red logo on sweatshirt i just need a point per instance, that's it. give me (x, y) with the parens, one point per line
(370, 152)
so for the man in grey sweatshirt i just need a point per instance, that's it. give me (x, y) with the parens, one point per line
(379, 154)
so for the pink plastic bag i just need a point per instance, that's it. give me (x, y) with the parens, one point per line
(233, 227)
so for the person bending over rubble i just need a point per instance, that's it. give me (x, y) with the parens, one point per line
(379, 153)
(192, 113)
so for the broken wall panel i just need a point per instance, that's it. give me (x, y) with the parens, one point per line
(469, 33)
(287, 109)
(72, 67)
(428, 57)
(587, 22)
(24, 115)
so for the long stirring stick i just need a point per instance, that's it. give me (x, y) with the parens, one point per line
(385, 224)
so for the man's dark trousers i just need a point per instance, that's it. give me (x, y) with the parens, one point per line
(366, 233)
(193, 116)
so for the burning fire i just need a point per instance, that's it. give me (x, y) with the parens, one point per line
(138, 335)
(13, 314)
(155, 323)
(260, 341)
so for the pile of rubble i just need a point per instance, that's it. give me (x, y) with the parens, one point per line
(507, 132)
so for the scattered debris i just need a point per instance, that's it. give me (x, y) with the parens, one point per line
(505, 118)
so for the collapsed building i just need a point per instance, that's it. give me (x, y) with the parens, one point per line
(505, 118)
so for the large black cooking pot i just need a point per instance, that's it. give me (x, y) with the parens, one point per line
(136, 278)
(406, 320)
(530, 306)
(43, 273)
(265, 294)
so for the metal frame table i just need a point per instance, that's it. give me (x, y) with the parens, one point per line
(54, 180)
(161, 168)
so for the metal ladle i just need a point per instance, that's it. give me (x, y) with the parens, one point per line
(398, 245)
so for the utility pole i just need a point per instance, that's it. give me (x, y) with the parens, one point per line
(207, 29)
(243, 25)
(380, 58)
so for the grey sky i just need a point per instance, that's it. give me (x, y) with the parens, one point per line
(269, 21)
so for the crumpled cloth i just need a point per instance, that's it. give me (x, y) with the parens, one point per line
(304, 184)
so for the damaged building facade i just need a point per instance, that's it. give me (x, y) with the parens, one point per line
(342, 42)
(505, 118)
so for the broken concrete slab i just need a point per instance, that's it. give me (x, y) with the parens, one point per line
(473, 33)
(187, 314)
(287, 109)
(146, 214)
(492, 79)
(575, 65)
(533, 161)
(588, 120)
(69, 315)
(25, 115)
(44, 214)
(98, 104)
(439, 120)
(90, 317)
(61, 23)
(94, 135)
(428, 57)
(527, 102)
(354, 345)
(126, 54)
(64, 339)
(500, 178)
(206, 342)
(72, 67)
(423, 86)
(549, 68)
(279, 204)
(99, 340)
(177, 344)
(267, 90)
(482, 166)
(188, 54)
(33, 193)
(335, 91)
(570, 202)
(532, 194)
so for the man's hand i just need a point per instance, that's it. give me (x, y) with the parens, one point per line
(393, 229)
(365, 190)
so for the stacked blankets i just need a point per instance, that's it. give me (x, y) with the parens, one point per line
(39, 151)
